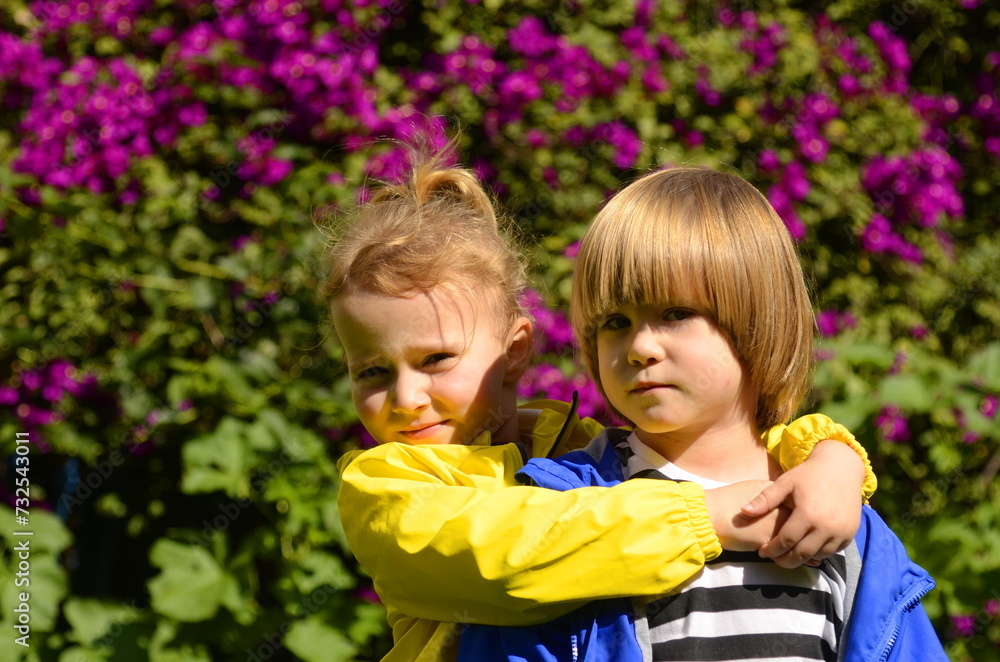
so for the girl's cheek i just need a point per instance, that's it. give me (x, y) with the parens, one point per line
(368, 402)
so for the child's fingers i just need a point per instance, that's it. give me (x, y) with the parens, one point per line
(810, 550)
(770, 498)
(786, 539)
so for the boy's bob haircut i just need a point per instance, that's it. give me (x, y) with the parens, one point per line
(696, 236)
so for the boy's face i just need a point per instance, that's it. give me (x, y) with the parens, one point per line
(669, 369)
(424, 369)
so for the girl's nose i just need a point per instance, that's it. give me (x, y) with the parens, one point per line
(411, 392)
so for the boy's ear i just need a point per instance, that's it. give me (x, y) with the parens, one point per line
(520, 342)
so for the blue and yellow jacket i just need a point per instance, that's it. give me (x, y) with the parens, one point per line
(887, 622)
(446, 542)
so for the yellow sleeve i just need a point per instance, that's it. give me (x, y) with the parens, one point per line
(791, 444)
(447, 535)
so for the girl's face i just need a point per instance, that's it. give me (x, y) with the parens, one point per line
(428, 368)
(670, 371)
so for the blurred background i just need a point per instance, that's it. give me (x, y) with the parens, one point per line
(172, 399)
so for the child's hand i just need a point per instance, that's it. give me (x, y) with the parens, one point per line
(824, 495)
(737, 531)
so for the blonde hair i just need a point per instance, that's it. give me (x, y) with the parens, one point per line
(691, 232)
(437, 228)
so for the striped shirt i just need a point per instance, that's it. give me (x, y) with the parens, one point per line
(740, 606)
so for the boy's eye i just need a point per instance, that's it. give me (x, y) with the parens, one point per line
(615, 323)
(677, 315)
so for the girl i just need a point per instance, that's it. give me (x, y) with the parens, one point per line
(424, 294)
(691, 309)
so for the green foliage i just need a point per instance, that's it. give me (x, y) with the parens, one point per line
(189, 460)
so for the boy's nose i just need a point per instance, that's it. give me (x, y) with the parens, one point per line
(411, 392)
(645, 347)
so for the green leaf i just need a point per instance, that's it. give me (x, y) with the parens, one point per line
(191, 583)
(906, 391)
(313, 640)
(10, 650)
(79, 654)
(865, 352)
(46, 589)
(49, 534)
(986, 365)
(319, 569)
(218, 461)
(851, 414)
(90, 619)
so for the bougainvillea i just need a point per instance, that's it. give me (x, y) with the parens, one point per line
(164, 167)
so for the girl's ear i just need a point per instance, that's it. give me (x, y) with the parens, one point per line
(520, 341)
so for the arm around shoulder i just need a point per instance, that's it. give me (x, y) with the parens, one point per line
(443, 532)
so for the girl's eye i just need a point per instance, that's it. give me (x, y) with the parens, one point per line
(615, 323)
(677, 315)
(370, 373)
(437, 358)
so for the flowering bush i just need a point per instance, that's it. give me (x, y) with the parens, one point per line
(161, 339)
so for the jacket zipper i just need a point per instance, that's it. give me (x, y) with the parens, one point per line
(919, 591)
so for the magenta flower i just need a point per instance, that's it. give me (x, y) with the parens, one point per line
(768, 161)
(877, 235)
(624, 141)
(530, 38)
(795, 181)
(963, 626)
(892, 425)
(832, 322)
(704, 89)
(989, 406)
(553, 332)
(782, 203)
(368, 594)
(812, 145)
(8, 396)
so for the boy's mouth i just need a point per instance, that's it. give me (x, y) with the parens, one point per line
(644, 387)
(423, 430)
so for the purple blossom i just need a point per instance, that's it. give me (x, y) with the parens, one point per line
(795, 181)
(368, 594)
(988, 407)
(963, 626)
(670, 49)
(530, 38)
(894, 54)
(848, 85)
(8, 396)
(705, 90)
(812, 145)
(553, 332)
(877, 235)
(634, 39)
(832, 322)
(892, 425)
(768, 161)
(623, 140)
(782, 203)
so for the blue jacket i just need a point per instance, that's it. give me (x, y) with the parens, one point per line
(887, 623)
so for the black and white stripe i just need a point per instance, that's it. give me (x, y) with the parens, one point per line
(742, 607)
